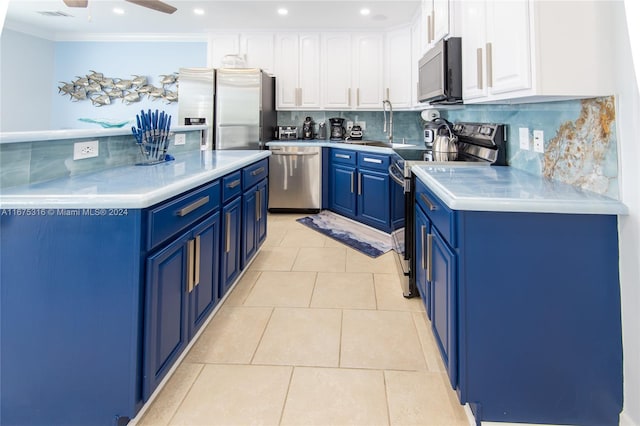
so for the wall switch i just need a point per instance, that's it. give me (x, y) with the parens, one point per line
(538, 141)
(524, 138)
(180, 139)
(82, 150)
(362, 124)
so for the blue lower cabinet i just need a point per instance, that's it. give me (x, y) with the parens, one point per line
(422, 229)
(343, 190)
(374, 207)
(254, 221)
(230, 244)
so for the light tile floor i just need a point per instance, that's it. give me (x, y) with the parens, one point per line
(314, 333)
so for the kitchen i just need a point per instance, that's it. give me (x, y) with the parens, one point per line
(30, 100)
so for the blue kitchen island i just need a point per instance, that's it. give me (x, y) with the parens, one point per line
(519, 276)
(107, 276)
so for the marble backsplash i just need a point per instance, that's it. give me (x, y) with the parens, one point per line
(580, 144)
(24, 163)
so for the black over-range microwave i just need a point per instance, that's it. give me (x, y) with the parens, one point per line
(440, 73)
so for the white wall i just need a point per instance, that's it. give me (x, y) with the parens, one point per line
(628, 118)
(26, 67)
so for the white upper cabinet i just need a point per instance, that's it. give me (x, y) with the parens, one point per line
(530, 50)
(221, 45)
(436, 18)
(416, 54)
(336, 71)
(258, 50)
(368, 68)
(398, 68)
(297, 71)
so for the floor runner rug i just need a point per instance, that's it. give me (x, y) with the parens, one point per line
(369, 241)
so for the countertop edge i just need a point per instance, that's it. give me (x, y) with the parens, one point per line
(343, 145)
(125, 201)
(588, 206)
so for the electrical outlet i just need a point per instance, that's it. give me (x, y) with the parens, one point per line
(524, 138)
(82, 150)
(349, 126)
(538, 141)
(180, 139)
(362, 124)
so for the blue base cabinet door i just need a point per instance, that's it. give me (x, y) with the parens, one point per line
(373, 199)
(254, 221)
(206, 266)
(231, 238)
(165, 312)
(343, 195)
(441, 260)
(422, 229)
(263, 197)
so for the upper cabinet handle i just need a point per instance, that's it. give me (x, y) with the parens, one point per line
(479, 63)
(191, 207)
(489, 65)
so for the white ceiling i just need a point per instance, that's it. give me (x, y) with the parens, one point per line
(99, 20)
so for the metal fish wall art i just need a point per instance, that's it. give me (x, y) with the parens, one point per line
(101, 90)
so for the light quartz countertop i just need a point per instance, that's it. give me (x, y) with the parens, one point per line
(49, 135)
(346, 145)
(129, 186)
(506, 189)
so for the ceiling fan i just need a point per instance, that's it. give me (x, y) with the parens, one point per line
(151, 4)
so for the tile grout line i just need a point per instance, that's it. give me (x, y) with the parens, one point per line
(286, 395)
(182, 400)
(264, 330)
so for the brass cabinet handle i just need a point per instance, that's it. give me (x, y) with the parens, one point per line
(343, 156)
(359, 183)
(433, 25)
(190, 248)
(191, 207)
(479, 63)
(197, 262)
(257, 171)
(352, 182)
(257, 205)
(233, 184)
(388, 97)
(429, 256)
(372, 160)
(227, 232)
(300, 98)
(428, 29)
(358, 96)
(429, 204)
(489, 65)
(423, 262)
(349, 97)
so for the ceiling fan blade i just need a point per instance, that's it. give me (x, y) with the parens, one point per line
(155, 5)
(76, 3)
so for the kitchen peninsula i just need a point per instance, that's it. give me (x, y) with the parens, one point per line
(108, 275)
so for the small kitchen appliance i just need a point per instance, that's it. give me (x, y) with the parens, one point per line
(307, 128)
(286, 133)
(356, 133)
(322, 130)
(337, 129)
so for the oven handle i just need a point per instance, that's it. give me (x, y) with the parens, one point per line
(393, 176)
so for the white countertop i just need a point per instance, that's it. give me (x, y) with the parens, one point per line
(129, 186)
(505, 189)
(49, 135)
(346, 145)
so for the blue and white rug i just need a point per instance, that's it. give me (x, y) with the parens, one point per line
(356, 235)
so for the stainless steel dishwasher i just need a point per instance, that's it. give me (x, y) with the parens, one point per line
(295, 178)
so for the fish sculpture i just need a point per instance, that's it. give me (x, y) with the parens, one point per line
(170, 96)
(156, 92)
(168, 79)
(81, 81)
(94, 87)
(145, 89)
(139, 80)
(100, 100)
(131, 97)
(66, 88)
(79, 95)
(123, 84)
(106, 83)
(115, 93)
(95, 76)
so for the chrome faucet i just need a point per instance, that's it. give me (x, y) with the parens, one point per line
(384, 113)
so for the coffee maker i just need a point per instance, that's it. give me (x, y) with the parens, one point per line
(307, 128)
(337, 129)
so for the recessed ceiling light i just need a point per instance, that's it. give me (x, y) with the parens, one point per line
(365, 12)
(282, 11)
(118, 11)
(198, 11)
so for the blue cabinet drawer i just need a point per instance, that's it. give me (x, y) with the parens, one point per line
(168, 218)
(442, 218)
(343, 156)
(254, 173)
(231, 186)
(373, 161)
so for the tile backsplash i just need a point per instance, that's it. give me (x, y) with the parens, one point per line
(580, 144)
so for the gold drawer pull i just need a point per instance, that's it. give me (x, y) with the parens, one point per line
(257, 171)
(429, 204)
(234, 184)
(191, 207)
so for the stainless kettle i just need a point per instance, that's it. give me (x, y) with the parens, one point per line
(445, 146)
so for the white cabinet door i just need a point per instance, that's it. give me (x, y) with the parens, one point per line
(336, 70)
(368, 62)
(398, 68)
(508, 46)
(309, 71)
(258, 50)
(286, 70)
(473, 49)
(221, 45)
(440, 20)
(416, 54)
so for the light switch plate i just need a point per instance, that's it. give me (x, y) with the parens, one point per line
(180, 139)
(538, 141)
(524, 138)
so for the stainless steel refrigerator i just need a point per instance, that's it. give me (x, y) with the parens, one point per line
(238, 104)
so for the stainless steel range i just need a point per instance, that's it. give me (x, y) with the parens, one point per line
(479, 144)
